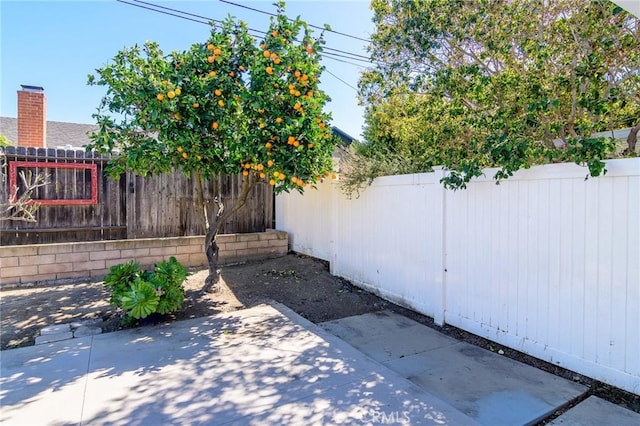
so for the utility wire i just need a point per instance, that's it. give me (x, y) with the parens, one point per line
(328, 56)
(338, 78)
(311, 25)
(367, 61)
(160, 11)
(205, 20)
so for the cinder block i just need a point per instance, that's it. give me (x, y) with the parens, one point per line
(55, 329)
(278, 243)
(147, 243)
(236, 246)
(37, 277)
(162, 251)
(7, 262)
(18, 271)
(189, 249)
(36, 260)
(267, 236)
(89, 247)
(89, 266)
(134, 253)
(194, 241)
(53, 268)
(85, 323)
(104, 254)
(225, 239)
(86, 331)
(257, 244)
(108, 263)
(55, 248)
(19, 251)
(247, 237)
(72, 257)
(49, 338)
(7, 283)
(71, 274)
(97, 273)
(120, 245)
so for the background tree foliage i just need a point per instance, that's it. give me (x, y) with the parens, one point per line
(475, 84)
(226, 106)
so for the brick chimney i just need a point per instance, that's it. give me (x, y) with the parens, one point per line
(32, 117)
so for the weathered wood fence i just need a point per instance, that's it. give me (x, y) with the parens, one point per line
(82, 204)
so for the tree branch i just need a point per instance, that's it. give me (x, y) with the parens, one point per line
(23, 208)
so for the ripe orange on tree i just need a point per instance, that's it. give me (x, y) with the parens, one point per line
(229, 59)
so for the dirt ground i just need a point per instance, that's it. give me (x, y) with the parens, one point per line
(302, 283)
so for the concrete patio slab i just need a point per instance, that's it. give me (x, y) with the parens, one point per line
(491, 389)
(264, 365)
(595, 411)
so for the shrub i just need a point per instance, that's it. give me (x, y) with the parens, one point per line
(141, 293)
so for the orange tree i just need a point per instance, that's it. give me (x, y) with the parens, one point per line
(229, 105)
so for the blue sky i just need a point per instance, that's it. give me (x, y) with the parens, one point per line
(55, 44)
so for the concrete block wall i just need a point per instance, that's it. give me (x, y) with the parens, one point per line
(41, 263)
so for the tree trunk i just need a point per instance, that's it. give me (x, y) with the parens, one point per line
(213, 225)
(211, 249)
(632, 139)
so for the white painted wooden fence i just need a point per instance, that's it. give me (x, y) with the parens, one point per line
(547, 262)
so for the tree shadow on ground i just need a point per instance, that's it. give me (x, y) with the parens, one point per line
(257, 366)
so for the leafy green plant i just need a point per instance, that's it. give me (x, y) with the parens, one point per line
(470, 85)
(141, 300)
(141, 293)
(167, 280)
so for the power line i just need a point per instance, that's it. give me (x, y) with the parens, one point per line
(311, 25)
(199, 19)
(338, 78)
(367, 61)
(328, 56)
(205, 20)
(160, 11)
